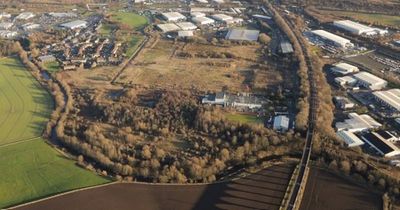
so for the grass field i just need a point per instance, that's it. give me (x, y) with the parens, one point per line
(368, 17)
(53, 66)
(244, 118)
(131, 19)
(29, 168)
(24, 105)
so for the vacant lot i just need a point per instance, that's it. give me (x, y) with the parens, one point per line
(24, 105)
(263, 190)
(29, 168)
(329, 192)
(131, 19)
(203, 67)
(379, 19)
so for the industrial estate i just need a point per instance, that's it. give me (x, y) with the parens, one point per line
(203, 104)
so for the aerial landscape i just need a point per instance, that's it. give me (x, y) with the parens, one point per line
(200, 104)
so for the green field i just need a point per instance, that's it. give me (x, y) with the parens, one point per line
(379, 19)
(244, 118)
(24, 106)
(131, 19)
(29, 168)
(53, 66)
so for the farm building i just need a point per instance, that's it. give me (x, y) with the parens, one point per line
(349, 138)
(383, 147)
(47, 58)
(389, 98)
(242, 35)
(168, 27)
(25, 16)
(343, 103)
(344, 68)
(186, 26)
(370, 81)
(222, 17)
(75, 24)
(281, 123)
(333, 38)
(346, 80)
(357, 28)
(219, 98)
(173, 16)
(197, 14)
(203, 20)
(6, 25)
(185, 33)
(357, 123)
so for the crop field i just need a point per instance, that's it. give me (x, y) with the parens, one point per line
(322, 185)
(29, 168)
(262, 190)
(24, 105)
(206, 67)
(367, 17)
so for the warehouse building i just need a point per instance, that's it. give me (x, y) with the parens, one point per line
(4, 15)
(242, 35)
(370, 81)
(389, 98)
(202, 9)
(203, 20)
(173, 16)
(25, 16)
(62, 14)
(349, 138)
(8, 34)
(186, 26)
(345, 81)
(357, 123)
(6, 25)
(168, 27)
(197, 14)
(383, 147)
(30, 26)
(222, 17)
(185, 33)
(387, 136)
(281, 123)
(344, 68)
(333, 38)
(359, 29)
(75, 24)
(343, 103)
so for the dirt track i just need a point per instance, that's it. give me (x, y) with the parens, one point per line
(263, 190)
(329, 192)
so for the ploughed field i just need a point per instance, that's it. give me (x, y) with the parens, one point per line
(330, 192)
(262, 190)
(29, 168)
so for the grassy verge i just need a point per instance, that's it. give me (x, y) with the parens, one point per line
(53, 66)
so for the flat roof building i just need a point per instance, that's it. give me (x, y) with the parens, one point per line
(25, 16)
(333, 38)
(30, 26)
(6, 25)
(222, 17)
(346, 80)
(62, 14)
(349, 138)
(370, 81)
(8, 34)
(197, 14)
(202, 9)
(185, 33)
(173, 16)
(168, 27)
(203, 20)
(357, 123)
(357, 28)
(383, 147)
(281, 123)
(75, 24)
(242, 35)
(286, 47)
(390, 98)
(186, 26)
(344, 68)
(343, 103)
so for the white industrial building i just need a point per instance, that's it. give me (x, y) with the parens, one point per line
(30, 26)
(390, 98)
(343, 103)
(357, 123)
(359, 29)
(168, 27)
(185, 33)
(197, 14)
(242, 35)
(62, 14)
(281, 123)
(173, 16)
(202, 9)
(6, 25)
(203, 20)
(186, 26)
(349, 138)
(344, 68)
(25, 16)
(383, 147)
(8, 34)
(333, 38)
(345, 81)
(370, 81)
(75, 24)
(222, 17)
(219, 98)
(4, 15)
(234, 21)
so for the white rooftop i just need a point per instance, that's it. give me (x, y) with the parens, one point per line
(203, 20)
(186, 26)
(357, 123)
(332, 37)
(390, 97)
(185, 33)
(74, 24)
(222, 17)
(349, 138)
(173, 16)
(243, 34)
(353, 25)
(167, 27)
(369, 78)
(281, 122)
(197, 14)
